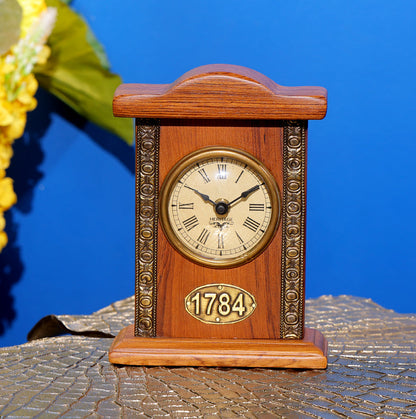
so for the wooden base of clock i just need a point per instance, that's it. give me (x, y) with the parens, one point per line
(309, 352)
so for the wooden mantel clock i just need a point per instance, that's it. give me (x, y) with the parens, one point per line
(220, 221)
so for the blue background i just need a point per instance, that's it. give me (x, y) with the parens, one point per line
(72, 232)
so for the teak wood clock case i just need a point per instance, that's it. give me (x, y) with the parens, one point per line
(220, 221)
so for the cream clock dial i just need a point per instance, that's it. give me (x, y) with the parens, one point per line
(220, 207)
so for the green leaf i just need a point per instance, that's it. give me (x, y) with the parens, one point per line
(98, 49)
(11, 17)
(75, 74)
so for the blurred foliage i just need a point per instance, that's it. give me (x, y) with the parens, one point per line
(11, 16)
(77, 72)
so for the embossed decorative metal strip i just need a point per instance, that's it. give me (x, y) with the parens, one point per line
(147, 190)
(293, 225)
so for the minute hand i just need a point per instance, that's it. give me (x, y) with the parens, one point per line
(245, 194)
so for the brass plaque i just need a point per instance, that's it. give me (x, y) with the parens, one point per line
(220, 304)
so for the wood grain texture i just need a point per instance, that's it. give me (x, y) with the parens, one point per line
(309, 352)
(220, 91)
(177, 276)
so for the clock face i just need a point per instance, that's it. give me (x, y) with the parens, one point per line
(220, 207)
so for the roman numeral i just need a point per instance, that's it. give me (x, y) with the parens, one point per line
(203, 237)
(204, 175)
(190, 223)
(222, 171)
(189, 206)
(256, 207)
(220, 241)
(251, 224)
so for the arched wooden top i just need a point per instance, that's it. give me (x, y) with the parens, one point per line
(220, 91)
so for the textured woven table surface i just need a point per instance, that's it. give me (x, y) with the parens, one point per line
(371, 372)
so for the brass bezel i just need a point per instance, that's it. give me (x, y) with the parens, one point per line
(184, 165)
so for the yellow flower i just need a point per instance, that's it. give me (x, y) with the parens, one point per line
(17, 89)
(7, 195)
(28, 90)
(6, 67)
(31, 11)
(2, 221)
(43, 55)
(6, 153)
(16, 128)
(3, 240)
(6, 117)
(3, 235)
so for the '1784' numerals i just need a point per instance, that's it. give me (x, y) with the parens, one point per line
(224, 306)
(220, 304)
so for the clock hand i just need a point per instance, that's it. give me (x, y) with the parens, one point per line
(245, 194)
(205, 197)
(220, 208)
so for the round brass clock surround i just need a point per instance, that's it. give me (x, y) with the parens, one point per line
(245, 183)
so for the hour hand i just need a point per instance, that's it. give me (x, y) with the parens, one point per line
(205, 197)
(245, 194)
